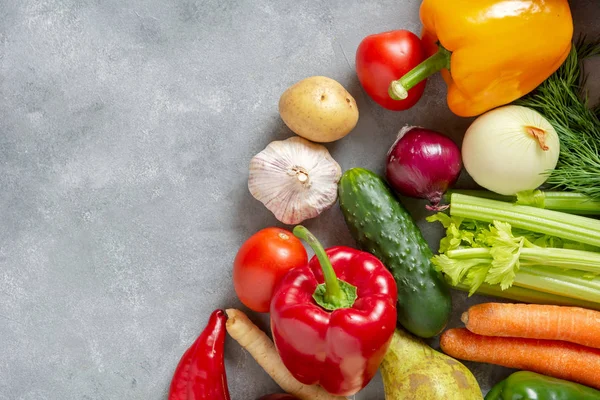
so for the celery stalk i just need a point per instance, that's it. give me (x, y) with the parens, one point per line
(465, 254)
(541, 256)
(568, 202)
(554, 223)
(525, 295)
(494, 259)
(562, 258)
(559, 282)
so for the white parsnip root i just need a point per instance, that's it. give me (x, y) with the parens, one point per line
(262, 349)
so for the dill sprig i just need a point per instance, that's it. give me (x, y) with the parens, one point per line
(563, 100)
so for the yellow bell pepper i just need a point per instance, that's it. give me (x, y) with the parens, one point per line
(490, 52)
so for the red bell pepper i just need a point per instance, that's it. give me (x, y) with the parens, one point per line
(200, 374)
(329, 331)
(385, 57)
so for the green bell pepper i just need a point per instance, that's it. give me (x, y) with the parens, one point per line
(525, 385)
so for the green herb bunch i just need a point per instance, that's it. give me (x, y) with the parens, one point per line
(563, 101)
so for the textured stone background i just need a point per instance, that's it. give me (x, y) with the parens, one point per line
(126, 127)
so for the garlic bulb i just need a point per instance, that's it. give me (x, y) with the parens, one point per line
(295, 179)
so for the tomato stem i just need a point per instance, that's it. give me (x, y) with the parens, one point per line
(398, 89)
(334, 293)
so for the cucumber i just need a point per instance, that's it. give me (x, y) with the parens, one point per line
(383, 227)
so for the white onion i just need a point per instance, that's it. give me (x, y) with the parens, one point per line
(501, 152)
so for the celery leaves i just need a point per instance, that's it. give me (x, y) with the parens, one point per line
(473, 253)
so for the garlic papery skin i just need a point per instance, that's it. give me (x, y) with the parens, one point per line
(295, 179)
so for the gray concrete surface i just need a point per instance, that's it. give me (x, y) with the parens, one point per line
(126, 127)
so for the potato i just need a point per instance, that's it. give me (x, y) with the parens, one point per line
(318, 109)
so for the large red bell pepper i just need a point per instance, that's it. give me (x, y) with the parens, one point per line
(332, 320)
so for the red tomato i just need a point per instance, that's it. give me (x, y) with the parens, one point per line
(385, 57)
(261, 262)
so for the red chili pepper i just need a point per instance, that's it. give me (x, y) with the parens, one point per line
(332, 331)
(200, 374)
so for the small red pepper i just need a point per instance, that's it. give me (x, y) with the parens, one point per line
(384, 57)
(329, 331)
(200, 374)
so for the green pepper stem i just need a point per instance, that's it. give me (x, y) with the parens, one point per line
(333, 292)
(398, 89)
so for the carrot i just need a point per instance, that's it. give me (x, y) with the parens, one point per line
(562, 360)
(262, 349)
(571, 324)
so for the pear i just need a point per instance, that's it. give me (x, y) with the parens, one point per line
(413, 370)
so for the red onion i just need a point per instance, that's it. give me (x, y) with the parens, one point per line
(423, 163)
